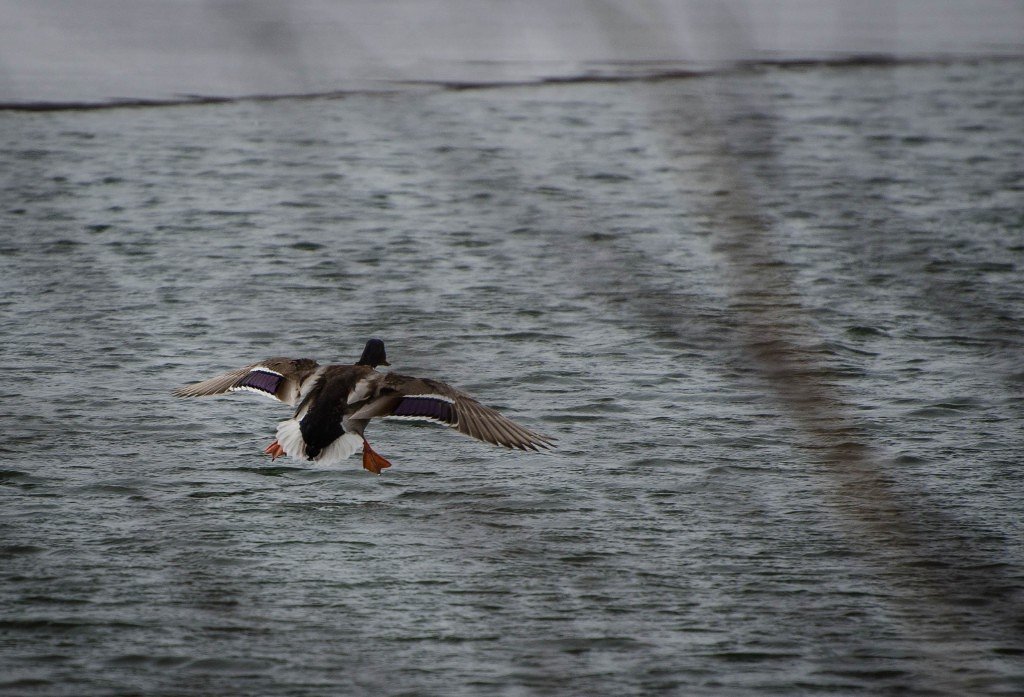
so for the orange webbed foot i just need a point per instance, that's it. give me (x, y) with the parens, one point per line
(275, 451)
(371, 460)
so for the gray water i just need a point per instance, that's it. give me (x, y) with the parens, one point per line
(773, 317)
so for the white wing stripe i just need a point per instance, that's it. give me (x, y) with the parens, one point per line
(434, 395)
(431, 419)
(254, 390)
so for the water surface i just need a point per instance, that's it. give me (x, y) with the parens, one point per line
(772, 316)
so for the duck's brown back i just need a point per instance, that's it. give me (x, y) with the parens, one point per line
(325, 405)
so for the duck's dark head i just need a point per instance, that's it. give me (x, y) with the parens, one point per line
(373, 354)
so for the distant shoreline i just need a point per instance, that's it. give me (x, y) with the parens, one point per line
(610, 72)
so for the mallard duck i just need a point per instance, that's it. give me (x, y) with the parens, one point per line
(336, 402)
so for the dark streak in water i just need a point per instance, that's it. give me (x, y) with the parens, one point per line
(183, 101)
(624, 72)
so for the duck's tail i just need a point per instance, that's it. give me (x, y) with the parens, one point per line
(290, 441)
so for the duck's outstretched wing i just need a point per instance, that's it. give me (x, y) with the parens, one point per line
(278, 378)
(421, 399)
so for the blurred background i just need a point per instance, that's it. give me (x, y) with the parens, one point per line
(163, 49)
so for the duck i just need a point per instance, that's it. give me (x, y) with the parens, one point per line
(334, 404)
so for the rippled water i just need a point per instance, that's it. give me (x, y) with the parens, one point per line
(773, 318)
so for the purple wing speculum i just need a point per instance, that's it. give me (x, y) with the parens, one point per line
(260, 380)
(430, 407)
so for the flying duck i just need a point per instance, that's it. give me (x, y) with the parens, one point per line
(336, 402)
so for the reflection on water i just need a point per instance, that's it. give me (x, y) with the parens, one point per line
(772, 317)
